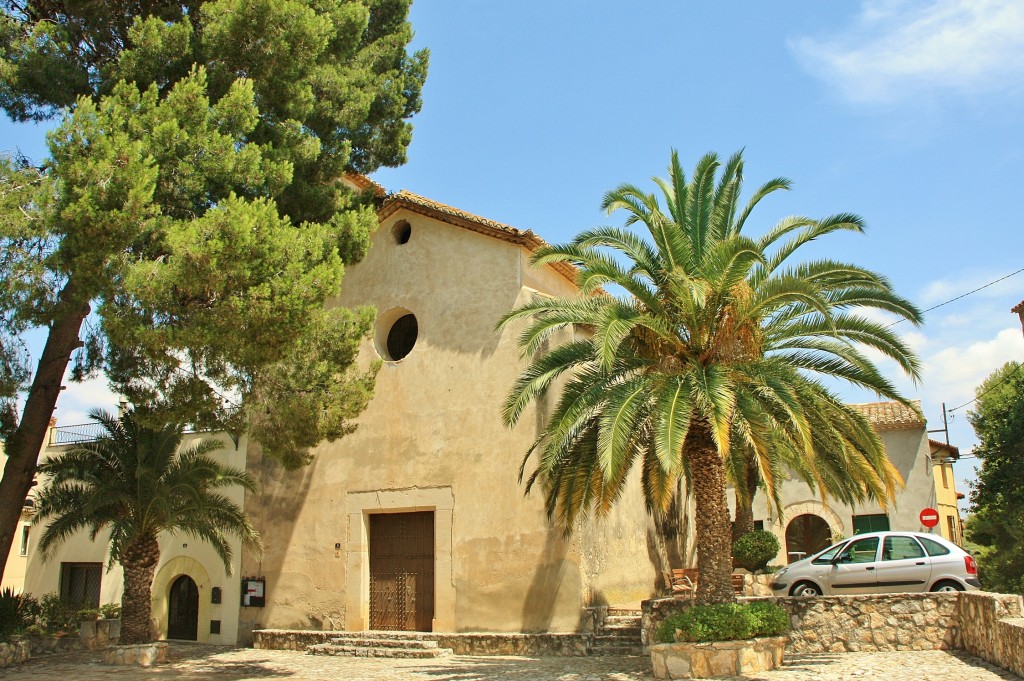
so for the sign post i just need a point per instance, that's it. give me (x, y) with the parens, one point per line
(929, 518)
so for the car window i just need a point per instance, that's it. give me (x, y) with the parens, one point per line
(860, 551)
(897, 547)
(827, 555)
(933, 547)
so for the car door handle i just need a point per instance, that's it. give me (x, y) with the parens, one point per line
(869, 568)
(920, 562)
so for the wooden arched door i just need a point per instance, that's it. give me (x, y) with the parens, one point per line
(183, 609)
(806, 534)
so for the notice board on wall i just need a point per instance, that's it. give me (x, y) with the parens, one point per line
(254, 592)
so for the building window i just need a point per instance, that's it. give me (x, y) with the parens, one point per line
(758, 524)
(397, 332)
(874, 522)
(954, 536)
(402, 232)
(80, 583)
(23, 547)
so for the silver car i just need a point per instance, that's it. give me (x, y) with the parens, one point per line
(880, 562)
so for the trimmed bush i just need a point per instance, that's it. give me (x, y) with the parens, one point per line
(89, 614)
(725, 622)
(770, 619)
(753, 550)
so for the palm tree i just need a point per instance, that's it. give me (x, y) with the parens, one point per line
(694, 338)
(136, 482)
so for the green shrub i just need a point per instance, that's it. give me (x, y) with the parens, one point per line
(35, 630)
(14, 613)
(111, 611)
(89, 614)
(753, 550)
(725, 622)
(770, 619)
(56, 615)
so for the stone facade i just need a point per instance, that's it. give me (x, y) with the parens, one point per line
(537, 645)
(711, 660)
(13, 653)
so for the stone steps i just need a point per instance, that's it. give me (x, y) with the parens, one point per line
(619, 634)
(374, 651)
(397, 644)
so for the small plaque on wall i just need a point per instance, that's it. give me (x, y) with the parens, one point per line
(254, 591)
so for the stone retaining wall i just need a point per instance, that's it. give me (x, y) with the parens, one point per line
(993, 628)
(542, 645)
(990, 626)
(13, 653)
(839, 624)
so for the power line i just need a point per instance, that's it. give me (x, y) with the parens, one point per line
(1005, 379)
(963, 295)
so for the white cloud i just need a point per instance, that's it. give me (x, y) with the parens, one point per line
(898, 49)
(78, 399)
(955, 371)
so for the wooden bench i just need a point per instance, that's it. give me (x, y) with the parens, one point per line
(682, 583)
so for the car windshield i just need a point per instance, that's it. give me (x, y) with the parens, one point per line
(828, 554)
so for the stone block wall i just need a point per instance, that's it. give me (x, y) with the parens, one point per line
(990, 626)
(993, 628)
(13, 653)
(870, 623)
(545, 645)
(838, 624)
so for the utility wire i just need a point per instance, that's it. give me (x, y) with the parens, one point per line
(963, 295)
(1005, 379)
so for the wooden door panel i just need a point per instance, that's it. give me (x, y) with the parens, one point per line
(402, 571)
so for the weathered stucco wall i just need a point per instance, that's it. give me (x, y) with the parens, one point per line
(432, 439)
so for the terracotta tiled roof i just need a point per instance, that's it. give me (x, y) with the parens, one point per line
(364, 183)
(892, 415)
(460, 218)
(937, 447)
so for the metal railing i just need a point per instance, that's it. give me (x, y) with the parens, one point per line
(77, 434)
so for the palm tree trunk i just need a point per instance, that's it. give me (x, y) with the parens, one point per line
(745, 502)
(714, 533)
(139, 562)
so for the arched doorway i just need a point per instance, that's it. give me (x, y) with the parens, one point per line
(806, 534)
(183, 609)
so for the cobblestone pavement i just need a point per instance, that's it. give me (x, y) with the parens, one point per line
(213, 663)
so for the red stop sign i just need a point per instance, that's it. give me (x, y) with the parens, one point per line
(929, 517)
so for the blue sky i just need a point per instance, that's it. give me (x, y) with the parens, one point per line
(907, 113)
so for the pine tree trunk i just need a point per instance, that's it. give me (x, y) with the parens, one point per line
(714, 532)
(24, 445)
(139, 562)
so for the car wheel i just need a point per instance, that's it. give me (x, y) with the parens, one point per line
(947, 586)
(805, 590)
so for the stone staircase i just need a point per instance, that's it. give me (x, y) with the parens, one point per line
(379, 644)
(619, 634)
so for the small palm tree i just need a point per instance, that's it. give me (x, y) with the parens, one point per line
(136, 483)
(695, 338)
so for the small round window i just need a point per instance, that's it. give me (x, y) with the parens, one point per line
(397, 331)
(402, 231)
